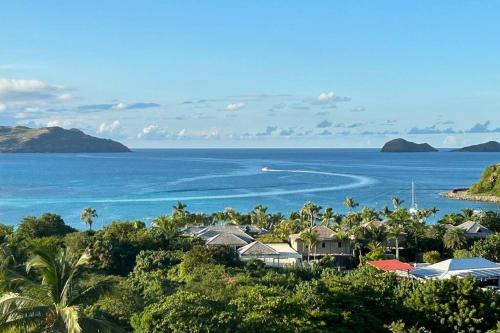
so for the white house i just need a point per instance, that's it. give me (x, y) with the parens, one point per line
(479, 268)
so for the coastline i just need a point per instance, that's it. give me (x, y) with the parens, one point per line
(463, 194)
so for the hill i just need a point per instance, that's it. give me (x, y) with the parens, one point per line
(403, 146)
(487, 147)
(22, 139)
(489, 183)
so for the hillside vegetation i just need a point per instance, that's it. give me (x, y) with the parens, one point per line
(21, 139)
(489, 183)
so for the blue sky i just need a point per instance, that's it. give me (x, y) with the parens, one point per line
(255, 73)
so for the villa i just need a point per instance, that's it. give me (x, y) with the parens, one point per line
(271, 254)
(327, 243)
(227, 235)
(474, 229)
(479, 268)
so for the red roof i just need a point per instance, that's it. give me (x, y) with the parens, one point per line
(391, 265)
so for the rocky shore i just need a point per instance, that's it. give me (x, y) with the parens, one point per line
(463, 194)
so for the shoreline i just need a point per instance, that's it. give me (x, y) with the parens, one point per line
(462, 194)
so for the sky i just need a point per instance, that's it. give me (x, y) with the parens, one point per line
(179, 74)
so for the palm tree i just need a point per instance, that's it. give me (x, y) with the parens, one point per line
(218, 217)
(55, 303)
(454, 238)
(395, 232)
(87, 216)
(179, 210)
(328, 217)
(350, 204)
(259, 217)
(309, 239)
(396, 202)
(310, 211)
(468, 213)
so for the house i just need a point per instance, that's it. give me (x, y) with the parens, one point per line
(392, 265)
(227, 235)
(271, 254)
(479, 268)
(327, 243)
(474, 229)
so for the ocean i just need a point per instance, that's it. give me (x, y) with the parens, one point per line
(148, 182)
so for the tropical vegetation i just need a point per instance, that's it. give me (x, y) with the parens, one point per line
(132, 277)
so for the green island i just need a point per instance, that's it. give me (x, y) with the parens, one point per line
(487, 188)
(22, 139)
(194, 272)
(403, 146)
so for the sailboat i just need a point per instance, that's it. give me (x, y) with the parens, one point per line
(413, 209)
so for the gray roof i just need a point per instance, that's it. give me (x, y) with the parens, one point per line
(472, 227)
(274, 250)
(226, 239)
(320, 231)
(257, 248)
(231, 234)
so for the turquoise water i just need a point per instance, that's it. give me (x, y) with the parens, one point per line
(146, 183)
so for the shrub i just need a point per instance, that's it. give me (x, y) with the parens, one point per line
(432, 257)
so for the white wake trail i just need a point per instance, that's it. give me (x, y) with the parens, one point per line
(358, 181)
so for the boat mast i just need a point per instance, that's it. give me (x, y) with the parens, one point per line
(413, 201)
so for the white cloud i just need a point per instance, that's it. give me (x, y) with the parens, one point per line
(153, 132)
(330, 98)
(60, 123)
(3, 107)
(110, 128)
(182, 133)
(28, 89)
(64, 97)
(235, 106)
(325, 96)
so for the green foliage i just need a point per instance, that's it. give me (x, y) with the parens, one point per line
(182, 312)
(46, 225)
(118, 244)
(454, 238)
(458, 305)
(488, 247)
(5, 232)
(432, 257)
(489, 183)
(117, 306)
(173, 283)
(462, 254)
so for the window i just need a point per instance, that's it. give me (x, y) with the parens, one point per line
(340, 244)
(323, 245)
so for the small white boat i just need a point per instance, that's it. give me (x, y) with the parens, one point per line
(264, 169)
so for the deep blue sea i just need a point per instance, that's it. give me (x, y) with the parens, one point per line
(146, 183)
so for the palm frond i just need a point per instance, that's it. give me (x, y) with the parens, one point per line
(92, 292)
(12, 301)
(70, 316)
(75, 269)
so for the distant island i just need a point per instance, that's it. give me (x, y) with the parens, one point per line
(21, 139)
(404, 146)
(487, 188)
(487, 147)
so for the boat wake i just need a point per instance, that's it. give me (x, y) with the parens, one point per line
(357, 181)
